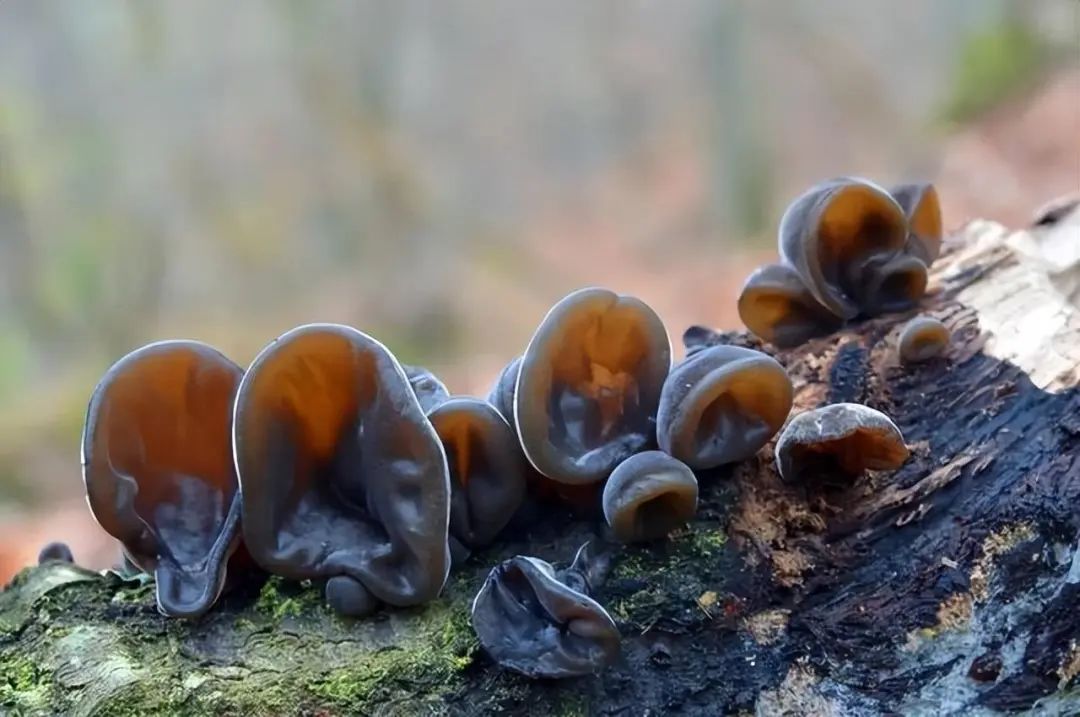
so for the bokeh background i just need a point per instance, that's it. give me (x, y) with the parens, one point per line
(439, 173)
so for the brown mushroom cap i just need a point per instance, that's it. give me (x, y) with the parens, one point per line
(429, 390)
(923, 210)
(589, 385)
(833, 232)
(158, 467)
(776, 306)
(341, 473)
(845, 437)
(648, 495)
(532, 623)
(501, 395)
(722, 405)
(921, 339)
(487, 468)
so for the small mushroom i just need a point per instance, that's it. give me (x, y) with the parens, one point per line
(776, 306)
(922, 339)
(158, 468)
(429, 390)
(845, 438)
(55, 551)
(531, 622)
(721, 405)
(648, 495)
(923, 211)
(487, 468)
(893, 285)
(834, 232)
(589, 385)
(501, 395)
(343, 477)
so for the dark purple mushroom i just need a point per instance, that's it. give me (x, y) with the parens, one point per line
(542, 624)
(721, 405)
(589, 385)
(157, 463)
(501, 395)
(429, 390)
(342, 476)
(56, 551)
(487, 468)
(841, 439)
(648, 496)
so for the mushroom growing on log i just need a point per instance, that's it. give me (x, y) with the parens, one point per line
(769, 602)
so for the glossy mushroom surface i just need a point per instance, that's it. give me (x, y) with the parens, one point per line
(922, 208)
(55, 551)
(487, 468)
(530, 622)
(429, 390)
(835, 233)
(845, 438)
(648, 495)
(922, 339)
(501, 395)
(158, 467)
(589, 385)
(776, 306)
(341, 473)
(722, 405)
(893, 285)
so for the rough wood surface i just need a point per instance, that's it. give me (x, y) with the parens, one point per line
(948, 587)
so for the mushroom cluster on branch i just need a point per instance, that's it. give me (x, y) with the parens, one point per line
(328, 460)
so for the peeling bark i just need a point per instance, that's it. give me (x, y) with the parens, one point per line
(948, 587)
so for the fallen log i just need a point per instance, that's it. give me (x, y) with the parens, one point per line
(948, 587)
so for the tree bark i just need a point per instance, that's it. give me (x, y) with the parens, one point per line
(950, 586)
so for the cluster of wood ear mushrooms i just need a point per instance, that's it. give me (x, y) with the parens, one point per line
(328, 460)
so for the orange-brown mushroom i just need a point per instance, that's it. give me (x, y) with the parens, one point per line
(501, 395)
(923, 210)
(648, 495)
(589, 385)
(835, 233)
(893, 285)
(343, 477)
(429, 390)
(487, 468)
(55, 551)
(922, 339)
(722, 405)
(776, 306)
(844, 438)
(158, 467)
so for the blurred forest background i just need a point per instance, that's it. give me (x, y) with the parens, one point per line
(439, 173)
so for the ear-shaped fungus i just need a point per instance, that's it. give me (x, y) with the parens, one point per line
(776, 305)
(921, 339)
(56, 551)
(589, 385)
(648, 495)
(487, 468)
(531, 622)
(429, 390)
(721, 405)
(158, 467)
(848, 438)
(342, 475)
(501, 395)
(893, 285)
(836, 235)
(923, 210)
